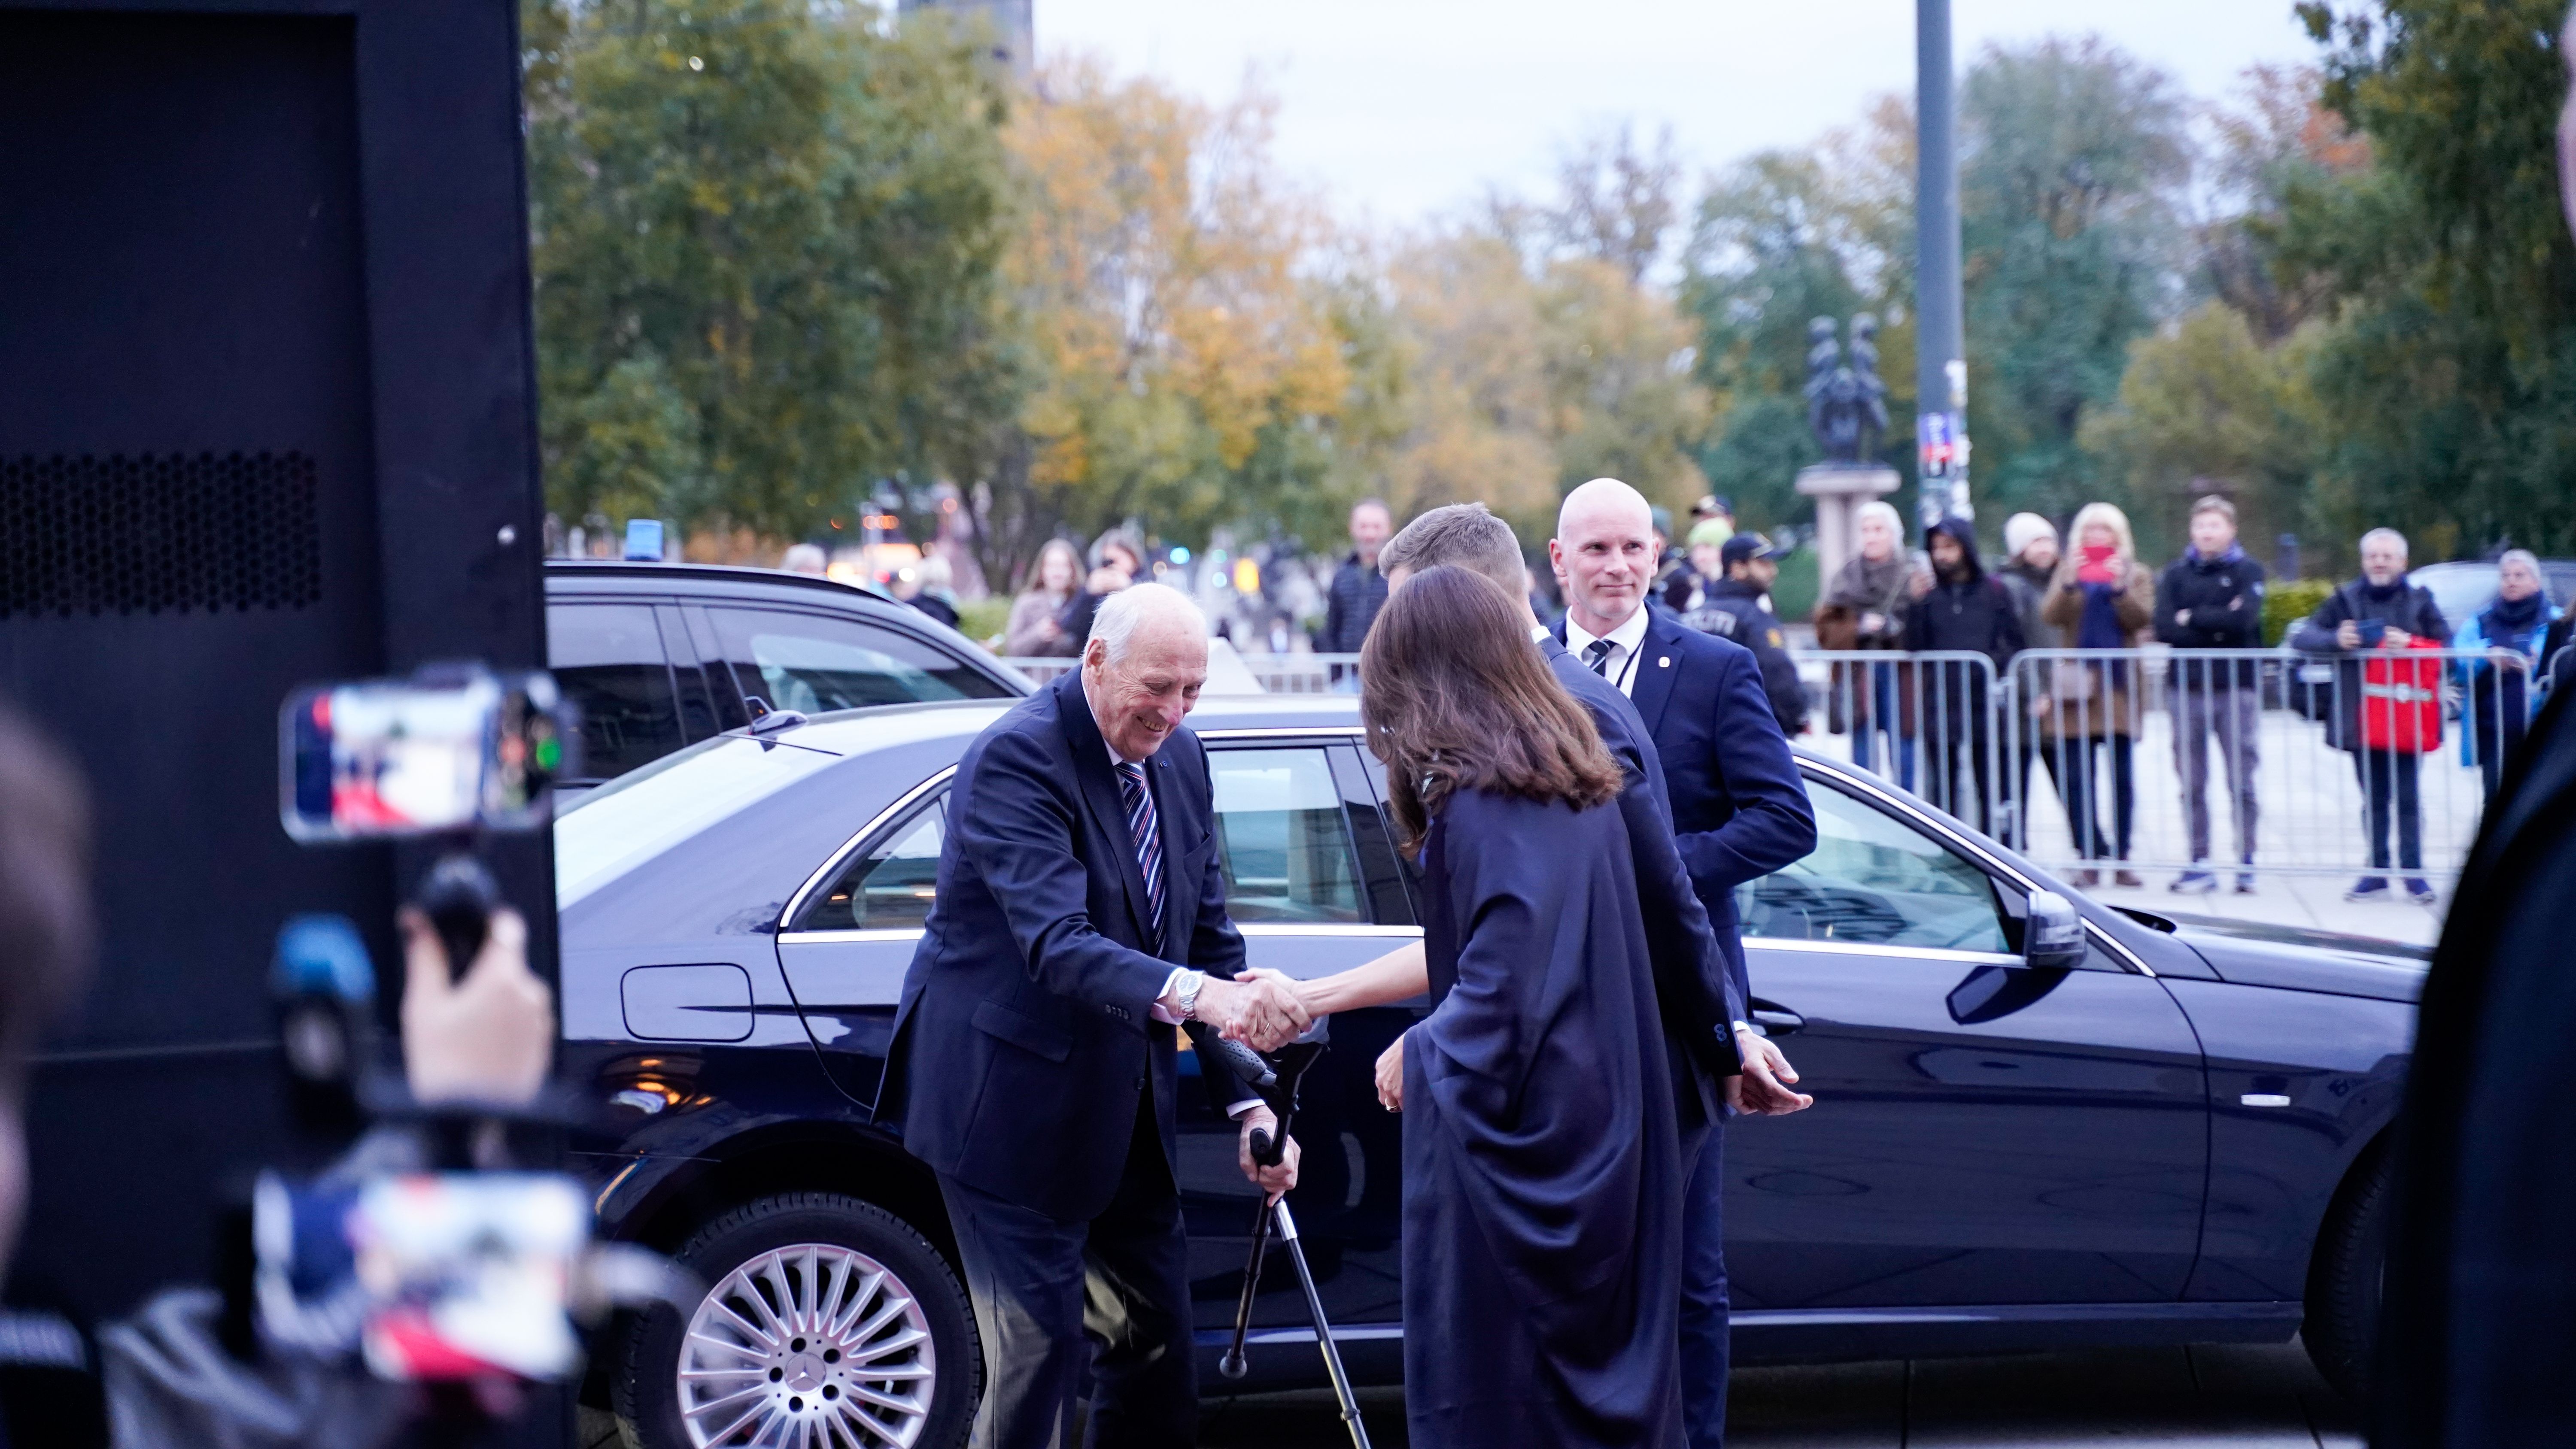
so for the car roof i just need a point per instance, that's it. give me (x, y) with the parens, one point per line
(859, 731)
(643, 577)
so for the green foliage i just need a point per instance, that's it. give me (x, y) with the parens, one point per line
(1793, 594)
(2285, 604)
(2447, 387)
(982, 619)
(765, 239)
(2071, 156)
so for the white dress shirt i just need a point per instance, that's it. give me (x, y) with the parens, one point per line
(1625, 642)
(1167, 1007)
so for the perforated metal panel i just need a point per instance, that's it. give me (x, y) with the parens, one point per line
(142, 534)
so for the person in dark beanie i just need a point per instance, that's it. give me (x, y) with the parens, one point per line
(1966, 611)
(2212, 598)
(1358, 590)
(1737, 606)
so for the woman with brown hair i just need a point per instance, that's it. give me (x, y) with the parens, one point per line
(1542, 1176)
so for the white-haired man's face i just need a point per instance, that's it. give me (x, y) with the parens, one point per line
(1143, 695)
(2383, 559)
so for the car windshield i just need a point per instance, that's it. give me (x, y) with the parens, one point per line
(639, 815)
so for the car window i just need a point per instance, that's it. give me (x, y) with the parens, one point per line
(1876, 880)
(608, 660)
(1286, 853)
(890, 884)
(815, 662)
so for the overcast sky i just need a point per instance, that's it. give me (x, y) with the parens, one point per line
(1402, 109)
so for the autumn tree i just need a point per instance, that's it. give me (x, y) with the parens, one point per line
(765, 240)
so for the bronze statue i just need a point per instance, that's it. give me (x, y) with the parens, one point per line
(1846, 401)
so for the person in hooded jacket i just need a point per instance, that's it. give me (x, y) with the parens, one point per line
(1966, 611)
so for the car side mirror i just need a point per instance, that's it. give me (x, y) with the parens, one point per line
(2052, 936)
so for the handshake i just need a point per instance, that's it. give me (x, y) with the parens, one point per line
(1260, 1009)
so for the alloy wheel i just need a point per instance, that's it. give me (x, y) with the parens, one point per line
(808, 1346)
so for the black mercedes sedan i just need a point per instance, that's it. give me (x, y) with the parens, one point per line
(2180, 1138)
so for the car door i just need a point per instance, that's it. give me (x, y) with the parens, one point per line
(1311, 882)
(845, 944)
(1984, 1133)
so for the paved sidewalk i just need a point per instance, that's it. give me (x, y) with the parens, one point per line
(2228, 1397)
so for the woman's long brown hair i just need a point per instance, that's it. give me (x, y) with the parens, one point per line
(1455, 697)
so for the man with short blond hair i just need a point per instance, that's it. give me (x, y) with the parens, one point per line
(2212, 598)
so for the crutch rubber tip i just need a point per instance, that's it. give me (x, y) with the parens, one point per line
(1232, 1365)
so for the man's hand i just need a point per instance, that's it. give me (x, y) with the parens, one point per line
(1258, 1011)
(2348, 634)
(484, 1039)
(1872, 622)
(1390, 1076)
(1271, 1180)
(2396, 639)
(2509, 658)
(1760, 1091)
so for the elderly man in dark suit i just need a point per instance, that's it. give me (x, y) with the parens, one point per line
(1080, 915)
(1739, 812)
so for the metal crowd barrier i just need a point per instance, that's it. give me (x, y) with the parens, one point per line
(2373, 763)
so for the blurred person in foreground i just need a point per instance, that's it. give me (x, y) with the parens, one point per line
(481, 1041)
(2101, 598)
(1965, 612)
(2501, 698)
(2382, 610)
(1737, 605)
(2030, 565)
(1032, 630)
(1080, 917)
(804, 558)
(1864, 607)
(1358, 589)
(2212, 598)
(1739, 812)
(1543, 1179)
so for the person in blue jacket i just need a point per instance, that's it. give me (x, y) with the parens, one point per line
(2499, 693)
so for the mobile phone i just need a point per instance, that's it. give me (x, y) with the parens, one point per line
(2372, 631)
(449, 750)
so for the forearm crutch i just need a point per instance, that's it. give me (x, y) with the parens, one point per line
(1275, 1077)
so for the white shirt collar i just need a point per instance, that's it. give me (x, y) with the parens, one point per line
(1625, 641)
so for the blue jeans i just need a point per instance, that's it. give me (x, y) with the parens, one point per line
(1878, 711)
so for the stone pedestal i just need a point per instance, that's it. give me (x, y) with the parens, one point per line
(1839, 490)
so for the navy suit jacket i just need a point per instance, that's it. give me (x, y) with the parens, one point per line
(1694, 989)
(1026, 1034)
(1739, 809)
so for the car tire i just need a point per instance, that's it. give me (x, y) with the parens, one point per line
(806, 1295)
(2344, 1279)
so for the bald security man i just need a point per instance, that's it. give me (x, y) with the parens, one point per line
(1739, 812)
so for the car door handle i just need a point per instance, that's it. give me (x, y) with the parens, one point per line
(1775, 1019)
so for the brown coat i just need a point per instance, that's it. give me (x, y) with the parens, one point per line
(2096, 700)
(1849, 699)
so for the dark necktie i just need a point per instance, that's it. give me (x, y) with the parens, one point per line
(1142, 829)
(1598, 654)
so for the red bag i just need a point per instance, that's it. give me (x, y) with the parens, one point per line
(2401, 700)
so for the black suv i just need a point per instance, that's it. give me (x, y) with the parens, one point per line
(662, 655)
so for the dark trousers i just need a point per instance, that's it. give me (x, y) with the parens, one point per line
(2017, 795)
(2388, 778)
(1054, 1299)
(1705, 1334)
(2499, 715)
(2076, 764)
(1964, 792)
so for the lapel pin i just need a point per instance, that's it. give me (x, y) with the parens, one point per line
(1663, 661)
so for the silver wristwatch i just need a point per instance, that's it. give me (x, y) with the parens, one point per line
(1188, 1000)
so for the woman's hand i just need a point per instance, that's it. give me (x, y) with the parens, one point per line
(1302, 990)
(1390, 1076)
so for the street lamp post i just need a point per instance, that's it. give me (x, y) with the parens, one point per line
(1940, 347)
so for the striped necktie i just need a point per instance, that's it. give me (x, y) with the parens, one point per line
(1142, 829)
(1597, 654)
